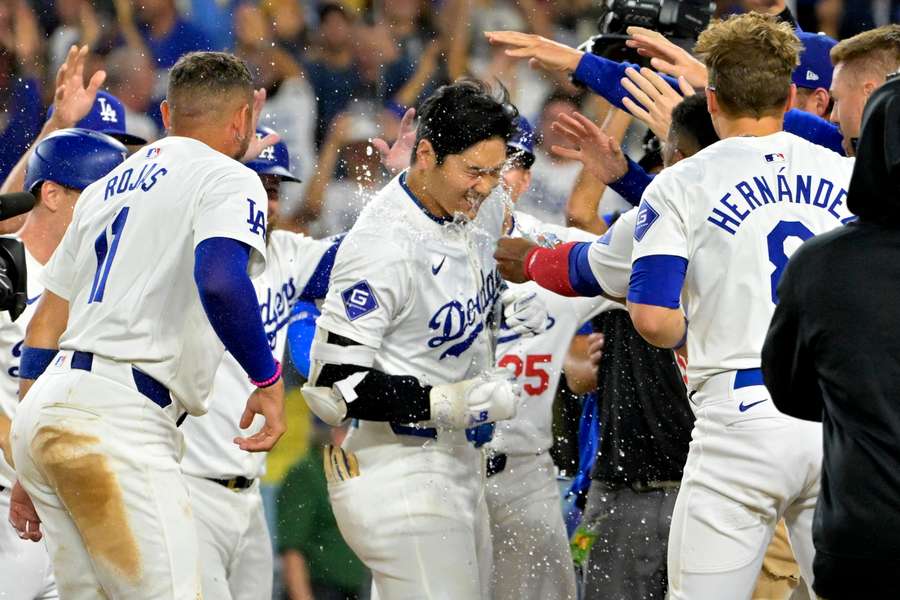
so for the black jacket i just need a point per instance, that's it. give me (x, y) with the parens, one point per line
(832, 354)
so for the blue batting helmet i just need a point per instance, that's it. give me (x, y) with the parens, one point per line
(521, 142)
(75, 158)
(274, 160)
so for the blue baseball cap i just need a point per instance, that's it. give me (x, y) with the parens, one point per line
(815, 66)
(107, 116)
(522, 140)
(274, 160)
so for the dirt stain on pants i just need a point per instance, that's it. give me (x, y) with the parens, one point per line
(90, 491)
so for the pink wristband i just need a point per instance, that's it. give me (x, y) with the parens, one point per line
(271, 380)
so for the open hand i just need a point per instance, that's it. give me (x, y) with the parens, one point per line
(258, 144)
(22, 514)
(268, 402)
(73, 100)
(655, 99)
(667, 57)
(598, 152)
(396, 158)
(540, 51)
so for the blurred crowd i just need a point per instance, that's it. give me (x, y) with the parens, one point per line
(337, 75)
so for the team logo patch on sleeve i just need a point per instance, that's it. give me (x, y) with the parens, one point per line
(359, 300)
(645, 219)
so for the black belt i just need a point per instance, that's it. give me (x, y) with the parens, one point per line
(495, 463)
(146, 385)
(235, 483)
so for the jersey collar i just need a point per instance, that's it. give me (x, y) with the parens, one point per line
(433, 217)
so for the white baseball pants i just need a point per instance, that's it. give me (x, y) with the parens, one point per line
(25, 570)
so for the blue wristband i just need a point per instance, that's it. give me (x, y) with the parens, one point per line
(35, 361)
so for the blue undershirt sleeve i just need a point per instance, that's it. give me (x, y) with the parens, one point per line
(632, 185)
(581, 277)
(657, 280)
(602, 76)
(230, 303)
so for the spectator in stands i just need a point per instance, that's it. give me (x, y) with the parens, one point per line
(553, 176)
(332, 69)
(130, 77)
(21, 108)
(316, 562)
(349, 172)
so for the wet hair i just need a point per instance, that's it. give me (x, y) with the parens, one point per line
(750, 59)
(459, 115)
(691, 122)
(202, 84)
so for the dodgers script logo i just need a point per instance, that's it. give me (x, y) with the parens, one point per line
(275, 309)
(457, 321)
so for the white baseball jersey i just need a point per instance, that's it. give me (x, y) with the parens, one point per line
(736, 211)
(538, 359)
(12, 336)
(610, 256)
(416, 288)
(295, 266)
(126, 263)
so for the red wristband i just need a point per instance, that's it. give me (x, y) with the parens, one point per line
(549, 268)
(271, 380)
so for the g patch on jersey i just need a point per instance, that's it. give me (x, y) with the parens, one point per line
(646, 217)
(359, 300)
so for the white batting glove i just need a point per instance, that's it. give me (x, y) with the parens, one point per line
(492, 396)
(523, 312)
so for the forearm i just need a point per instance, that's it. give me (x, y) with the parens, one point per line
(230, 303)
(378, 396)
(581, 373)
(603, 77)
(296, 575)
(564, 270)
(581, 209)
(42, 338)
(632, 185)
(659, 326)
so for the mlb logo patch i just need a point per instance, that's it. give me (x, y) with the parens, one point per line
(152, 152)
(645, 219)
(359, 300)
(778, 157)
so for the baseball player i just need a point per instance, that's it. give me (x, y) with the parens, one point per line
(95, 440)
(223, 480)
(74, 105)
(59, 167)
(404, 346)
(530, 548)
(716, 231)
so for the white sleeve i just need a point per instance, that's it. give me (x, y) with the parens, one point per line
(60, 269)
(661, 226)
(234, 205)
(610, 256)
(370, 284)
(307, 261)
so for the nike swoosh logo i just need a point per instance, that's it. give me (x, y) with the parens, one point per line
(744, 407)
(436, 269)
(32, 300)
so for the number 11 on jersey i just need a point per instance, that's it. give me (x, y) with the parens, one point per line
(106, 252)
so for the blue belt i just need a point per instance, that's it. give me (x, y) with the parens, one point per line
(479, 436)
(748, 377)
(146, 385)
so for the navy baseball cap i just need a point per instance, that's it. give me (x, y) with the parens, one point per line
(107, 116)
(274, 160)
(815, 66)
(522, 141)
(75, 158)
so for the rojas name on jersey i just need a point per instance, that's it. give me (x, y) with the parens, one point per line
(456, 320)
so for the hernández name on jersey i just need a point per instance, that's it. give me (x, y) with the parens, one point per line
(756, 192)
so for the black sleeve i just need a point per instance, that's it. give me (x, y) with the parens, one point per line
(787, 361)
(381, 397)
(786, 16)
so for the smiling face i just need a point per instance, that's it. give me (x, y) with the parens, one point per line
(463, 181)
